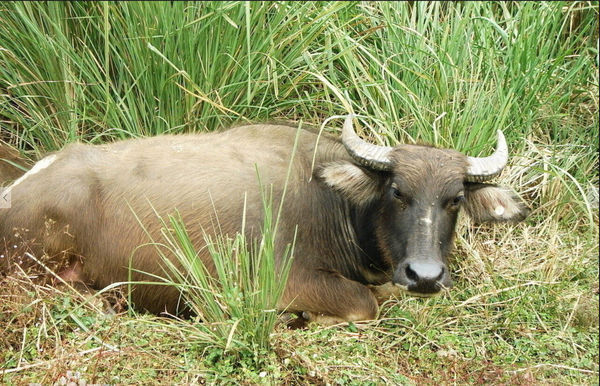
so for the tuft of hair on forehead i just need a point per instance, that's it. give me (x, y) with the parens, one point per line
(418, 164)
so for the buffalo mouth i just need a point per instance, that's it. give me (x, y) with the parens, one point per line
(424, 291)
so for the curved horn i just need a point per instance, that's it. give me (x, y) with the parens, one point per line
(366, 154)
(482, 169)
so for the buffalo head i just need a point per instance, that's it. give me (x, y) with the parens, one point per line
(411, 195)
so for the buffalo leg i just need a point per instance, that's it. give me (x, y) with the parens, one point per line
(327, 297)
(384, 292)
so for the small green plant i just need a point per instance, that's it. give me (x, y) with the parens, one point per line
(236, 298)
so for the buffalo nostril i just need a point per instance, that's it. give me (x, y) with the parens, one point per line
(441, 275)
(411, 275)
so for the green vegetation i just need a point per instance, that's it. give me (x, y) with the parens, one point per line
(525, 304)
(237, 305)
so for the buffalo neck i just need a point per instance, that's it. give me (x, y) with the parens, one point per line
(363, 219)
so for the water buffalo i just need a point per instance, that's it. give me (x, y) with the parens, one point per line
(367, 215)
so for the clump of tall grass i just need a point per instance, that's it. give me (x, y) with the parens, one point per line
(236, 302)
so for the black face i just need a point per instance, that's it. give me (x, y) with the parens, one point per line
(416, 229)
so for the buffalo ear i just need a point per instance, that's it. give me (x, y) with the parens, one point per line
(356, 184)
(487, 202)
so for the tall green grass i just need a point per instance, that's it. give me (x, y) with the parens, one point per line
(444, 73)
(200, 65)
(237, 302)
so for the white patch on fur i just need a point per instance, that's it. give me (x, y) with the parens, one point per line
(505, 206)
(40, 165)
(427, 224)
(427, 219)
(495, 203)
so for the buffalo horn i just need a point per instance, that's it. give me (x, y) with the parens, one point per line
(484, 168)
(369, 155)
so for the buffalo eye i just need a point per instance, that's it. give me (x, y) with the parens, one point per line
(399, 198)
(456, 201)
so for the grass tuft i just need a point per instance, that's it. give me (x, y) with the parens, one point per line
(234, 296)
